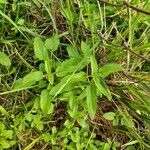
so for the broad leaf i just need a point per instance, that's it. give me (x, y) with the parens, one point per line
(39, 49)
(108, 69)
(37, 122)
(94, 65)
(106, 146)
(32, 78)
(72, 100)
(3, 111)
(29, 117)
(72, 52)
(4, 144)
(4, 60)
(127, 121)
(46, 137)
(67, 82)
(68, 14)
(109, 116)
(82, 122)
(18, 84)
(57, 89)
(48, 68)
(100, 84)
(91, 99)
(71, 65)
(77, 77)
(102, 87)
(3, 2)
(87, 51)
(52, 43)
(45, 102)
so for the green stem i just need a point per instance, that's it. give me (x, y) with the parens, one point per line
(17, 90)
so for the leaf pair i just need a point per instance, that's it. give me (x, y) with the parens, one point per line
(42, 53)
(41, 48)
(100, 84)
(98, 75)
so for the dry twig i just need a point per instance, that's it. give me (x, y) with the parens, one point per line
(125, 3)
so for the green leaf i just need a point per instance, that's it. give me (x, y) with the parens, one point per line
(32, 78)
(116, 121)
(54, 90)
(54, 130)
(29, 117)
(36, 104)
(21, 21)
(67, 82)
(91, 99)
(75, 137)
(78, 77)
(108, 69)
(2, 127)
(87, 51)
(71, 65)
(72, 100)
(68, 124)
(39, 49)
(94, 65)
(109, 116)
(82, 122)
(46, 137)
(3, 111)
(37, 122)
(3, 2)
(25, 4)
(68, 14)
(37, 3)
(102, 87)
(106, 146)
(18, 84)
(142, 47)
(45, 102)
(130, 148)
(4, 60)
(12, 142)
(48, 68)
(72, 52)
(8, 134)
(52, 43)
(127, 121)
(4, 144)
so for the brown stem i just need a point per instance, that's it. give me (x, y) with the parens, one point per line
(128, 5)
(130, 50)
(136, 8)
(125, 47)
(111, 4)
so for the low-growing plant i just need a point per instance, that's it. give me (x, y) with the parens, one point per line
(74, 74)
